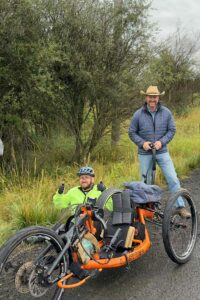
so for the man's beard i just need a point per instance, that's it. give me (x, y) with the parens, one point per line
(88, 188)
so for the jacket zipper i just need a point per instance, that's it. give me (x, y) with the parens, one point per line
(154, 121)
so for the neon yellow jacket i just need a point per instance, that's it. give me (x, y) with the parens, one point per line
(76, 196)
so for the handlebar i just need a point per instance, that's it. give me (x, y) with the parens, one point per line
(151, 145)
(153, 170)
(153, 149)
(81, 220)
(103, 223)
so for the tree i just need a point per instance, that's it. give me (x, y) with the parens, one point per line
(174, 69)
(74, 63)
(99, 49)
(26, 87)
(115, 132)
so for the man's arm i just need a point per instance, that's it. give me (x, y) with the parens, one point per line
(61, 200)
(133, 131)
(170, 132)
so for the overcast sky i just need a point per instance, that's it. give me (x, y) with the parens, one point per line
(170, 13)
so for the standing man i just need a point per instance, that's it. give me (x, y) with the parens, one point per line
(154, 123)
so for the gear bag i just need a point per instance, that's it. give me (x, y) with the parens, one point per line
(142, 193)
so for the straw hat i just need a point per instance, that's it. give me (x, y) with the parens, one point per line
(152, 91)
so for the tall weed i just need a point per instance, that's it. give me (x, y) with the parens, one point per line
(27, 200)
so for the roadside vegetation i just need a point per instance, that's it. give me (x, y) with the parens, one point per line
(27, 199)
(70, 76)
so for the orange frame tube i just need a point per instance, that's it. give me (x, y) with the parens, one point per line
(137, 252)
(71, 286)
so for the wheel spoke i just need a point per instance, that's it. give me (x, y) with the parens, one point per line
(179, 232)
(23, 274)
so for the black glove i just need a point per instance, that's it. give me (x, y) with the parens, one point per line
(61, 189)
(101, 187)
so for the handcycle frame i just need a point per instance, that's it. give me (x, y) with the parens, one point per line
(139, 249)
(146, 212)
(85, 218)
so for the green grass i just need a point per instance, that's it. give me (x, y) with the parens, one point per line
(27, 204)
(27, 200)
(185, 147)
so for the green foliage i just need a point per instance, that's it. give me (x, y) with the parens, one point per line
(67, 63)
(26, 200)
(78, 65)
(27, 90)
(99, 46)
(173, 69)
(70, 71)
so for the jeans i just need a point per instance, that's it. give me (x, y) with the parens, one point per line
(165, 163)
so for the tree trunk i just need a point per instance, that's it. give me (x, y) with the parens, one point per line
(78, 157)
(115, 134)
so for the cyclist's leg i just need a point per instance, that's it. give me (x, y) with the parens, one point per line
(145, 167)
(165, 162)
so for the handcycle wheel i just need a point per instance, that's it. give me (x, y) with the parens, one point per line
(104, 198)
(23, 260)
(179, 234)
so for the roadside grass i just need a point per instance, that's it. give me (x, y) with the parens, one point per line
(185, 147)
(27, 200)
(27, 204)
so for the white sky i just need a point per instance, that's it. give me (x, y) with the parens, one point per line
(168, 14)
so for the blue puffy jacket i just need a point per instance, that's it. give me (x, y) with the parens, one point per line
(143, 128)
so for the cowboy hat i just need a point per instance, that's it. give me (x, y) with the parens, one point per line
(152, 91)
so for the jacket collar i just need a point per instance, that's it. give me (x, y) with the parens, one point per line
(85, 192)
(145, 108)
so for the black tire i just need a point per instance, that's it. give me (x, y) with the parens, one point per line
(179, 234)
(18, 275)
(102, 200)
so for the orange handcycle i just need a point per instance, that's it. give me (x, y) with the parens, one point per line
(40, 262)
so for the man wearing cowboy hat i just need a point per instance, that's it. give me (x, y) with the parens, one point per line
(154, 123)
